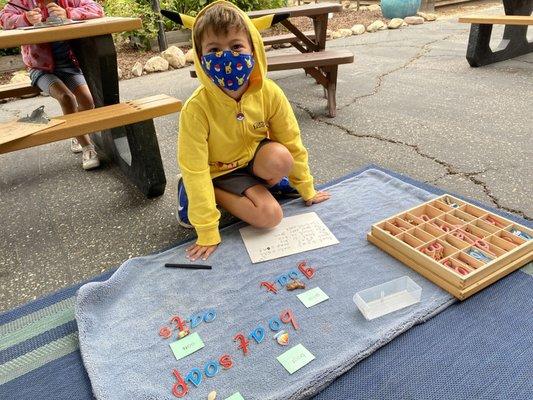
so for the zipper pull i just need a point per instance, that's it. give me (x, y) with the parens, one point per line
(240, 114)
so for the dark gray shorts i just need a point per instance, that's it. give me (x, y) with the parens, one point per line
(72, 77)
(238, 181)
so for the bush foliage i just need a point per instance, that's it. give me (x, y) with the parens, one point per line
(143, 9)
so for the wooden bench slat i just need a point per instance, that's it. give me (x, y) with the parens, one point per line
(305, 60)
(286, 38)
(308, 60)
(300, 11)
(498, 19)
(98, 119)
(17, 90)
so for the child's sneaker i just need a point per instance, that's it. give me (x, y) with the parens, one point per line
(75, 146)
(89, 158)
(183, 205)
(283, 188)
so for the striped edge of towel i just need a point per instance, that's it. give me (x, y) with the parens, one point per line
(35, 339)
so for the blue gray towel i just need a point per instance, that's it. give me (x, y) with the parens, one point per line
(119, 319)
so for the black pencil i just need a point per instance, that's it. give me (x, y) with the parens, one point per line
(17, 6)
(189, 266)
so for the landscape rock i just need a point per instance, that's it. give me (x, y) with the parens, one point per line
(395, 23)
(156, 64)
(341, 33)
(20, 77)
(137, 69)
(175, 57)
(414, 20)
(427, 16)
(376, 26)
(358, 29)
(189, 56)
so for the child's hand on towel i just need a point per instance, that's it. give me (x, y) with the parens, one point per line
(196, 251)
(319, 198)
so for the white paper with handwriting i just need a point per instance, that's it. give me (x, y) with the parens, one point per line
(293, 235)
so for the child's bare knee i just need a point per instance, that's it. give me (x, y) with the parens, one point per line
(268, 216)
(67, 99)
(86, 103)
(281, 160)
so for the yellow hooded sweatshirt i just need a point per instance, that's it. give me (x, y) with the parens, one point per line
(213, 142)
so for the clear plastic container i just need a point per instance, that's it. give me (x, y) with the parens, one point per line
(387, 297)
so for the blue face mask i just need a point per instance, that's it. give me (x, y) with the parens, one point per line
(228, 69)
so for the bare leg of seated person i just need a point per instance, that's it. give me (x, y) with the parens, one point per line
(272, 162)
(257, 206)
(70, 103)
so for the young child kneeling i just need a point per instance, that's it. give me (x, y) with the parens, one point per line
(238, 136)
(53, 66)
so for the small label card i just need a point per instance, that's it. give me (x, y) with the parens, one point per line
(186, 346)
(235, 396)
(312, 297)
(295, 358)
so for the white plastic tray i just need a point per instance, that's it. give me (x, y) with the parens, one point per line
(387, 297)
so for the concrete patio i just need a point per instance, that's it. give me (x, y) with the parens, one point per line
(410, 103)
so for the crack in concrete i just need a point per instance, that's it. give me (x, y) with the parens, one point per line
(449, 168)
(423, 51)
(495, 200)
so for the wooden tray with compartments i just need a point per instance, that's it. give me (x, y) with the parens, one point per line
(458, 246)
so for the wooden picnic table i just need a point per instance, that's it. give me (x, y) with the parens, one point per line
(319, 13)
(134, 148)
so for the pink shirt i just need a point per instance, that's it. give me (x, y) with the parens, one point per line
(39, 56)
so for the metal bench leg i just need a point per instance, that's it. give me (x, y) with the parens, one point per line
(144, 168)
(478, 51)
(133, 148)
(514, 44)
(331, 76)
(514, 41)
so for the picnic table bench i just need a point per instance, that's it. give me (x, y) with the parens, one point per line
(318, 62)
(17, 90)
(127, 135)
(516, 20)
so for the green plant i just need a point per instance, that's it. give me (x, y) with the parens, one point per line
(143, 10)
(191, 7)
(135, 8)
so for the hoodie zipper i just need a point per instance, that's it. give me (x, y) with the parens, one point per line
(240, 118)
